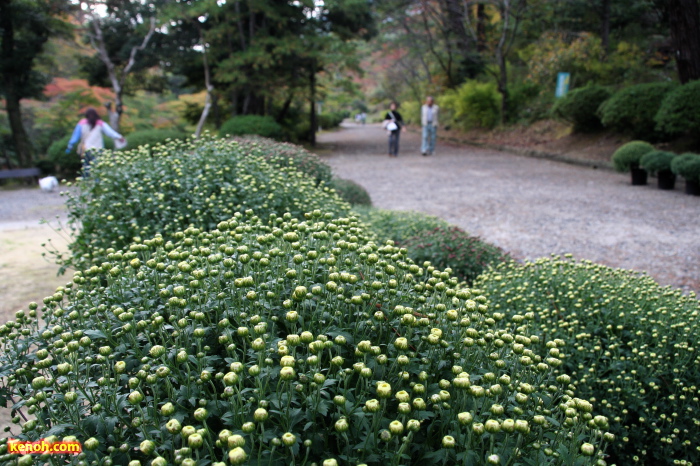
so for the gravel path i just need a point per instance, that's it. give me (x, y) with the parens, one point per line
(529, 207)
(23, 207)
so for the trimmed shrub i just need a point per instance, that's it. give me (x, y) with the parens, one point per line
(632, 110)
(264, 126)
(331, 120)
(580, 108)
(69, 164)
(688, 166)
(153, 137)
(350, 192)
(633, 348)
(628, 155)
(466, 256)
(283, 154)
(288, 342)
(397, 225)
(657, 161)
(679, 112)
(473, 104)
(181, 184)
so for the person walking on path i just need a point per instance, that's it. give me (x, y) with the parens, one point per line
(393, 122)
(88, 135)
(429, 121)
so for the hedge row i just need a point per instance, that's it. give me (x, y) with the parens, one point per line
(651, 111)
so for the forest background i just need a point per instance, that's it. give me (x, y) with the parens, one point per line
(168, 68)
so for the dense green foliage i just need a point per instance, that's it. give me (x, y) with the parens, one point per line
(288, 155)
(68, 164)
(688, 166)
(136, 194)
(473, 104)
(580, 107)
(153, 137)
(429, 238)
(25, 27)
(467, 256)
(632, 109)
(628, 155)
(331, 120)
(632, 349)
(657, 161)
(289, 342)
(679, 112)
(351, 192)
(397, 225)
(264, 126)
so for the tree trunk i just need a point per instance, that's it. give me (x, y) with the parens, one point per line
(312, 104)
(285, 108)
(454, 19)
(216, 110)
(12, 100)
(481, 27)
(684, 21)
(503, 87)
(605, 26)
(207, 84)
(117, 79)
(14, 113)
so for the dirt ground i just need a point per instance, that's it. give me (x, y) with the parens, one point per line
(28, 276)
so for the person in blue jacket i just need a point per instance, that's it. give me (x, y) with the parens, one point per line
(88, 135)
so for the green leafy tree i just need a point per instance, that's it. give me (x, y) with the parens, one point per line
(121, 39)
(25, 26)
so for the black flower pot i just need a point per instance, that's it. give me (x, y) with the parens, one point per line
(666, 179)
(639, 176)
(692, 187)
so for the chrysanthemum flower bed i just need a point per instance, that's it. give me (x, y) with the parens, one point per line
(289, 342)
(284, 154)
(632, 349)
(137, 194)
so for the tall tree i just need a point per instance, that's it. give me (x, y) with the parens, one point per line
(684, 21)
(25, 26)
(136, 22)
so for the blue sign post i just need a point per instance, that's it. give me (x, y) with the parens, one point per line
(562, 84)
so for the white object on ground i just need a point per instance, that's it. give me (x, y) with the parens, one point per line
(48, 184)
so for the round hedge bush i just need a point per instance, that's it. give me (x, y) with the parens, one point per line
(657, 161)
(628, 155)
(467, 256)
(397, 225)
(580, 108)
(688, 166)
(331, 120)
(351, 192)
(153, 137)
(264, 126)
(289, 342)
(138, 193)
(679, 112)
(283, 154)
(632, 109)
(633, 348)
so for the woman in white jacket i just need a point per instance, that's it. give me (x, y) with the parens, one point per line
(88, 134)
